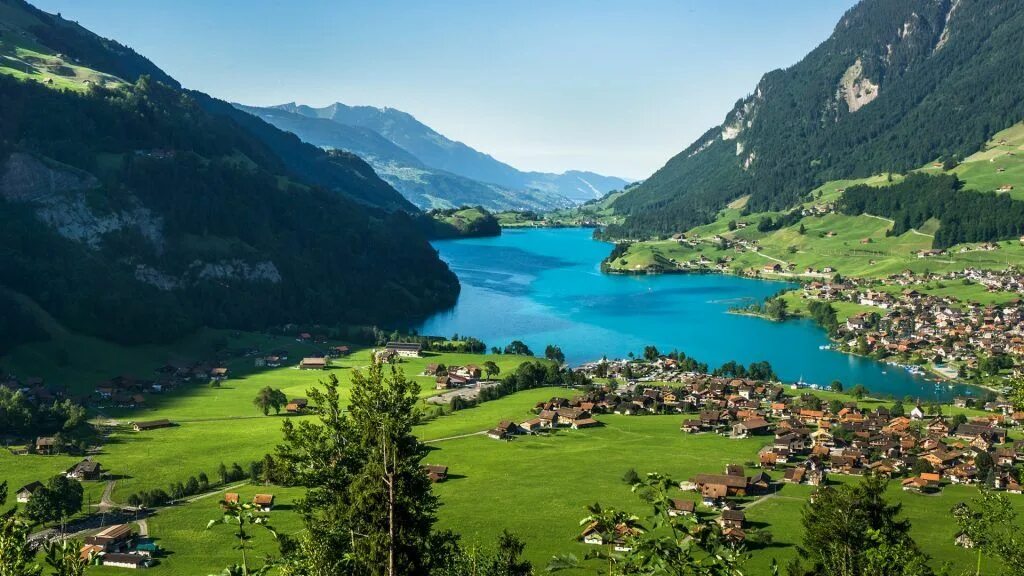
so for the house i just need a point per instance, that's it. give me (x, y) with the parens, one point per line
(120, 560)
(584, 423)
(794, 475)
(231, 498)
(219, 374)
(313, 363)
(503, 430)
(263, 502)
(591, 535)
(532, 425)
(734, 485)
(731, 519)
(296, 405)
(85, 470)
(116, 538)
(926, 482)
(436, 472)
(405, 349)
(151, 425)
(750, 427)
(24, 494)
(46, 445)
(679, 507)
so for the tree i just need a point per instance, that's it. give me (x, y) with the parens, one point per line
(242, 515)
(518, 348)
(17, 558)
(369, 507)
(555, 354)
(858, 391)
(897, 409)
(922, 466)
(64, 557)
(651, 353)
(392, 505)
(59, 499)
(268, 399)
(776, 308)
(802, 230)
(491, 369)
(836, 386)
(675, 545)
(989, 525)
(851, 530)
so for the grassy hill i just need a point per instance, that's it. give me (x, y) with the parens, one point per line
(852, 245)
(465, 222)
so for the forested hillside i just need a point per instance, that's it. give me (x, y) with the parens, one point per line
(898, 84)
(139, 212)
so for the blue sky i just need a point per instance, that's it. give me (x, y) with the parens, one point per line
(614, 87)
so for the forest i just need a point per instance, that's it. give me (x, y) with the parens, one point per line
(218, 195)
(965, 215)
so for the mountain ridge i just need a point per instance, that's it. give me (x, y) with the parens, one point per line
(866, 100)
(136, 211)
(437, 151)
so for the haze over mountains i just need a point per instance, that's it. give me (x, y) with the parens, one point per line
(429, 169)
(899, 83)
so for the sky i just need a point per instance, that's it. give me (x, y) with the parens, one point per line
(616, 87)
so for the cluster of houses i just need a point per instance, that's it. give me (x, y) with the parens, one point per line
(810, 439)
(446, 378)
(575, 414)
(936, 328)
(262, 502)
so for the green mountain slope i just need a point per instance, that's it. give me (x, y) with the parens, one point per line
(899, 83)
(137, 211)
(439, 152)
(422, 185)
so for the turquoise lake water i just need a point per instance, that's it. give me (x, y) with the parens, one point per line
(544, 286)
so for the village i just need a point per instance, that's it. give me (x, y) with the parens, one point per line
(806, 439)
(958, 339)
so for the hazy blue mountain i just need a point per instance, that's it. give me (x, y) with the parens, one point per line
(424, 186)
(437, 151)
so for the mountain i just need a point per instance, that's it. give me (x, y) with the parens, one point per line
(439, 152)
(898, 83)
(422, 185)
(136, 211)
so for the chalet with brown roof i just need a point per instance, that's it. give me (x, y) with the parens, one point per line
(151, 425)
(263, 502)
(313, 363)
(436, 473)
(680, 507)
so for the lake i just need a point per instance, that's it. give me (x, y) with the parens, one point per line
(544, 286)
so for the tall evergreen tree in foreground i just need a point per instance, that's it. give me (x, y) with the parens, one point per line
(851, 530)
(369, 510)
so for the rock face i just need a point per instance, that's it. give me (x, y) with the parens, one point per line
(25, 178)
(857, 90)
(60, 197)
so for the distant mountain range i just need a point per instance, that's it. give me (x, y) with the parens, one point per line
(898, 83)
(429, 169)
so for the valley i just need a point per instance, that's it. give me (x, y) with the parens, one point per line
(298, 340)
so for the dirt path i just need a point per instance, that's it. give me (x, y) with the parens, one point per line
(105, 502)
(455, 437)
(771, 258)
(879, 218)
(143, 527)
(768, 497)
